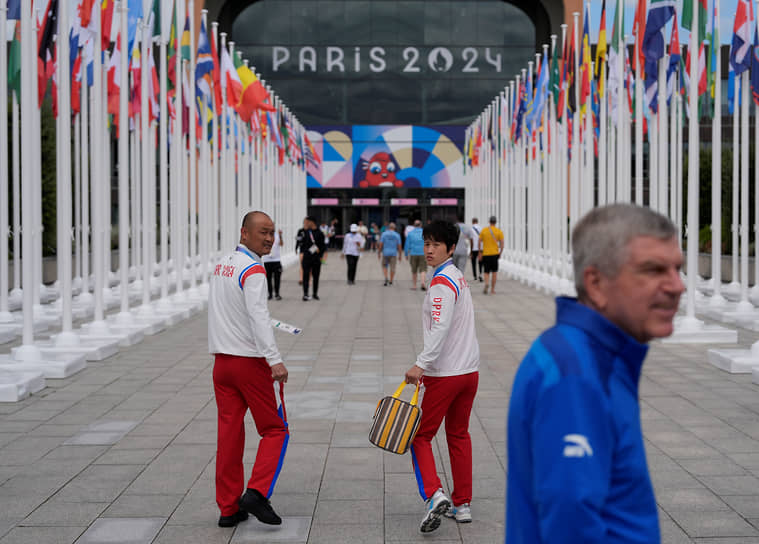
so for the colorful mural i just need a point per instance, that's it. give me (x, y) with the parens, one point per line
(362, 156)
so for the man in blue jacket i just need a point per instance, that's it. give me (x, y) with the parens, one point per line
(577, 468)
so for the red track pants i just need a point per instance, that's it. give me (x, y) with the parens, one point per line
(449, 397)
(242, 383)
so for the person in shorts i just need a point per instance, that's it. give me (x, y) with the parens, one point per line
(390, 252)
(491, 239)
(414, 250)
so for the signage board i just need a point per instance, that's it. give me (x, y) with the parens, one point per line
(403, 202)
(324, 201)
(444, 201)
(365, 201)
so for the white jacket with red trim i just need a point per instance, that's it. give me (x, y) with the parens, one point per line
(450, 341)
(238, 316)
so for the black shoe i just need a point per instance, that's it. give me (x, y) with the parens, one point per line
(316, 297)
(385, 283)
(306, 297)
(234, 519)
(270, 297)
(481, 278)
(424, 288)
(277, 297)
(391, 283)
(255, 503)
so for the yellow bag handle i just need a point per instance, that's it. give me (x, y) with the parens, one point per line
(414, 399)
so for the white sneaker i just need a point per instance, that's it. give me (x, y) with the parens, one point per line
(461, 513)
(437, 505)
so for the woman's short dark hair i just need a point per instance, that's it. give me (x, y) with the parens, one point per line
(444, 232)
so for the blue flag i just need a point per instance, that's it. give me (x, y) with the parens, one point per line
(135, 14)
(755, 67)
(14, 9)
(731, 81)
(541, 95)
(659, 14)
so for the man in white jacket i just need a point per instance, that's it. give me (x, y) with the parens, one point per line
(448, 368)
(248, 374)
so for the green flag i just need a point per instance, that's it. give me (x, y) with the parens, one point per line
(688, 17)
(555, 80)
(157, 17)
(14, 62)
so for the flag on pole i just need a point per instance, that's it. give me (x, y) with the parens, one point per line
(639, 30)
(615, 84)
(14, 9)
(216, 75)
(755, 67)
(232, 79)
(76, 85)
(674, 60)
(731, 81)
(714, 44)
(541, 96)
(14, 61)
(203, 64)
(741, 43)
(136, 91)
(688, 17)
(134, 15)
(659, 14)
(601, 53)
(254, 95)
(46, 48)
(555, 83)
(114, 81)
(585, 68)
(185, 41)
(106, 19)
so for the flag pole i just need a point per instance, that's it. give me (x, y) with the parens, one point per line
(177, 165)
(744, 305)
(5, 315)
(163, 136)
(638, 125)
(144, 174)
(734, 286)
(224, 221)
(717, 300)
(16, 152)
(192, 149)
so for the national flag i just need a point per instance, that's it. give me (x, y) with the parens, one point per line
(134, 15)
(46, 48)
(688, 17)
(659, 14)
(14, 61)
(732, 82)
(275, 135)
(136, 90)
(216, 75)
(155, 21)
(171, 52)
(14, 9)
(701, 69)
(541, 96)
(311, 155)
(184, 43)
(674, 60)
(639, 31)
(231, 78)
(153, 87)
(601, 53)
(755, 67)
(554, 84)
(254, 95)
(585, 68)
(203, 64)
(615, 84)
(569, 81)
(741, 43)
(114, 80)
(76, 85)
(714, 44)
(106, 18)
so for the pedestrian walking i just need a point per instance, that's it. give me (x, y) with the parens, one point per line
(353, 245)
(474, 248)
(273, 266)
(390, 252)
(248, 374)
(414, 250)
(576, 459)
(313, 249)
(448, 368)
(461, 252)
(491, 239)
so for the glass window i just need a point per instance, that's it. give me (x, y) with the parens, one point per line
(385, 61)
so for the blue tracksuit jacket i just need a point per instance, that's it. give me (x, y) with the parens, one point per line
(577, 468)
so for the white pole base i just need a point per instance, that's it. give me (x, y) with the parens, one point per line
(755, 374)
(689, 330)
(734, 361)
(716, 301)
(29, 358)
(122, 335)
(732, 291)
(91, 350)
(8, 333)
(38, 325)
(17, 385)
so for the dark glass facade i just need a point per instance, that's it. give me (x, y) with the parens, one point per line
(385, 61)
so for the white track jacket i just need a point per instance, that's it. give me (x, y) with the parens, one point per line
(450, 341)
(238, 316)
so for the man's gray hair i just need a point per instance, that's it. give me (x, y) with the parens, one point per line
(600, 239)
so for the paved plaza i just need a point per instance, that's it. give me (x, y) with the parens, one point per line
(123, 452)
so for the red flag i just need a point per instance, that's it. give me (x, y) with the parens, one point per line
(76, 86)
(106, 19)
(216, 75)
(639, 29)
(46, 48)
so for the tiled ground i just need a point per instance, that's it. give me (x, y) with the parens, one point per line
(124, 451)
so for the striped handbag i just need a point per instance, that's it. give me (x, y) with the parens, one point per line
(396, 422)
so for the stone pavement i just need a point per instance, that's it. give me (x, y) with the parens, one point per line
(123, 452)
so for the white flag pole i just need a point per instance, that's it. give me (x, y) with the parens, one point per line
(744, 305)
(192, 149)
(123, 154)
(717, 300)
(662, 136)
(16, 151)
(144, 139)
(5, 315)
(163, 128)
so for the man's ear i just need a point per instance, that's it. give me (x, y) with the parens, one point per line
(593, 281)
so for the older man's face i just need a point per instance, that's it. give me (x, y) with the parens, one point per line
(643, 298)
(258, 234)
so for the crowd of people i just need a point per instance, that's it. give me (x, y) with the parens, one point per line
(577, 469)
